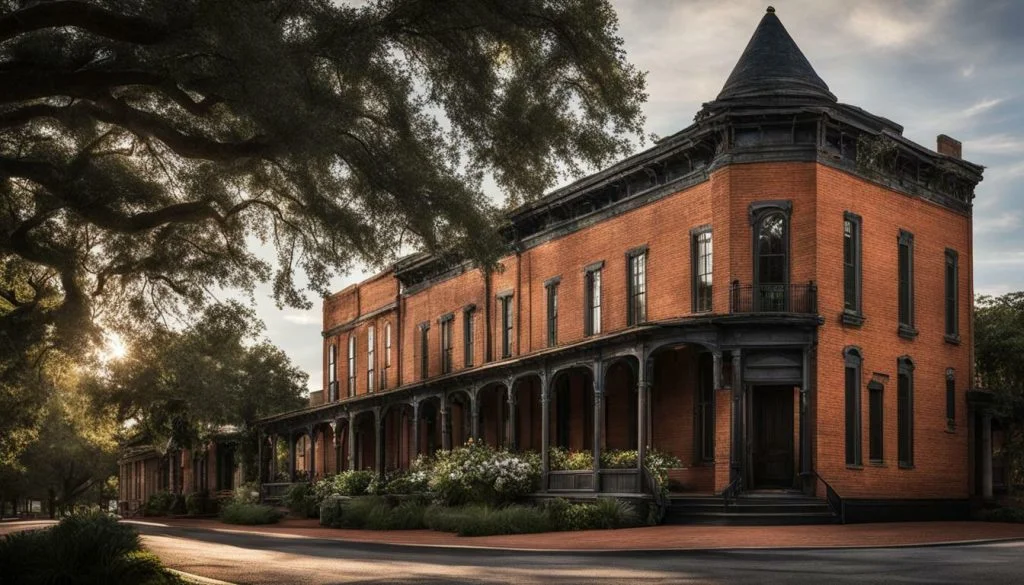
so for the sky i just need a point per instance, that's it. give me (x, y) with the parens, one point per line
(935, 67)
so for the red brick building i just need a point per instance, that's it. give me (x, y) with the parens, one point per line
(779, 295)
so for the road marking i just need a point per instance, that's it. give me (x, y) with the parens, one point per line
(198, 578)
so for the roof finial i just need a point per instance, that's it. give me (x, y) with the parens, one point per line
(771, 10)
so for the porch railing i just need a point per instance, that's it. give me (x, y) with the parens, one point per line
(773, 298)
(273, 491)
(612, 481)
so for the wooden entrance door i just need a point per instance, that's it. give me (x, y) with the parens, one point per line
(772, 440)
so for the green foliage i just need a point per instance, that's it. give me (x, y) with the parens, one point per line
(372, 513)
(998, 347)
(603, 513)
(301, 500)
(481, 520)
(199, 503)
(167, 138)
(159, 504)
(560, 458)
(1005, 514)
(82, 548)
(247, 493)
(243, 513)
(476, 473)
(345, 483)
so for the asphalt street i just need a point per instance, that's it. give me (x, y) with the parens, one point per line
(259, 559)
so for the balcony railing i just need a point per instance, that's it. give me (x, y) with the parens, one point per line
(773, 298)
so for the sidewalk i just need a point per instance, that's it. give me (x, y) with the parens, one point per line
(651, 538)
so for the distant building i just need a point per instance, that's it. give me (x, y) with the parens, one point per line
(779, 294)
(145, 469)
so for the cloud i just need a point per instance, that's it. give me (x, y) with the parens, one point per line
(1002, 143)
(982, 106)
(312, 317)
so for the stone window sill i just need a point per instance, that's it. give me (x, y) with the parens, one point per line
(907, 332)
(952, 339)
(851, 318)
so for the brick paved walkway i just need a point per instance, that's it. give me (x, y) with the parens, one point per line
(656, 537)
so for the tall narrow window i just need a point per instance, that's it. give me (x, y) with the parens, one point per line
(506, 324)
(906, 285)
(592, 299)
(636, 286)
(447, 343)
(424, 350)
(950, 399)
(771, 256)
(952, 296)
(700, 246)
(905, 411)
(371, 361)
(551, 286)
(332, 372)
(352, 364)
(387, 356)
(851, 270)
(875, 416)
(853, 421)
(467, 335)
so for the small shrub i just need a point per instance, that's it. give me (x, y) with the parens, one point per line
(331, 510)
(197, 503)
(249, 514)
(615, 513)
(371, 513)
(345, 483)
(408, 483)
(1002, 515)
(476, 473)
(158, 504)
(301, 501)
(247, 493)
(83, 548)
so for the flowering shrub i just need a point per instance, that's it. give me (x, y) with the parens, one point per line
(346, 483)
(656, 462)
(561, 459)
(416, 481)
(478, 473)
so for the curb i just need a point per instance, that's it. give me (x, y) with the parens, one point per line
(197, 579)
(614, 551)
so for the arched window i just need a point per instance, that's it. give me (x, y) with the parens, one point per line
(770, 221)
(852, 359)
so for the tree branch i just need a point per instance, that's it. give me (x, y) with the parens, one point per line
(85, 16)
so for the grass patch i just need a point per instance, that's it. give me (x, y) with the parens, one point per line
(372, 513)
(85, 548)
(250, 514)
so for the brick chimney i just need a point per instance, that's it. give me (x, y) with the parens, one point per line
(948, 146)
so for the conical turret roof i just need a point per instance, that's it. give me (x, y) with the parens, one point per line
(773, 66)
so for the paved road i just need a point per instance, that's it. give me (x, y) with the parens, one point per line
(243, 558)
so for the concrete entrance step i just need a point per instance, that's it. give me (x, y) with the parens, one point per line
(772, 508)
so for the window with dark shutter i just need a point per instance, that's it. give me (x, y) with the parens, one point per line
(700, 245)
(506, 325)
(950, 399)
(875, 416)
(905, 411)
(371, 360)
(853, 420)
(906, 285)
(592, 299)
(852, 270)
(467, 336)
(352, 364)
(424, 350)
(636, 286)
(952, 296)
(551, 286)
(447, 343)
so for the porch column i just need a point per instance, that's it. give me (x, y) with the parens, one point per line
(641, 408)
(352, 418)
(446, 431)
(986, 456)
(474, 413)
(736, 447)
(311, 431)
(415, 429)
(512, 429)
(378, 436)
(545, 431)
(598, 427)
(805, 432)
(336, 436)
(291, 459)
(259, 462)
(273, 458)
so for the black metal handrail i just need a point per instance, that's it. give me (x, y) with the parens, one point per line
(732, 491)
(773, 298)
(660, 501)
(832, 497)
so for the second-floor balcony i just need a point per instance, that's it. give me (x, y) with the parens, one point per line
(773, 298)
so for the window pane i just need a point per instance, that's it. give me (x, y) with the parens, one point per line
(852, 417)
(875, 407)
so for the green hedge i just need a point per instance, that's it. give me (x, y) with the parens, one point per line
(301, 500)
(82, 549)
(251, 514)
